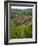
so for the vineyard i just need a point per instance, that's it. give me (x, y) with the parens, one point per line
(21, 23)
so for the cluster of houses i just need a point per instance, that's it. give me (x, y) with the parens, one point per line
(21, 19)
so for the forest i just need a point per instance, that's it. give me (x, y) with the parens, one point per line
(21, 23)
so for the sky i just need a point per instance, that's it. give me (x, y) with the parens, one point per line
(20, 7)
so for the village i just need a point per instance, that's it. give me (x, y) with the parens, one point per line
(21, 19)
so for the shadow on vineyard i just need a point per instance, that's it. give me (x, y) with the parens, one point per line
(21, 23)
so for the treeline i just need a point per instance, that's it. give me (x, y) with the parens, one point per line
(21, 11)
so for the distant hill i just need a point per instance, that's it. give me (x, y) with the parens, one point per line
(21, 11)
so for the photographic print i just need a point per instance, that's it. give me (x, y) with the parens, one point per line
(20, 21)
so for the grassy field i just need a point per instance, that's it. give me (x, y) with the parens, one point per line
(21, 31)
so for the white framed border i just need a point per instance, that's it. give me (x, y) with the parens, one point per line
(33, 25)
